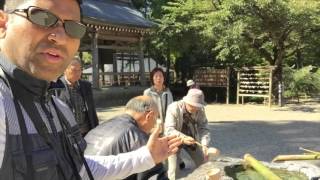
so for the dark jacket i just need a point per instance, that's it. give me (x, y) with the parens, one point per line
(40, 131)
(119, 135)
(87, 95)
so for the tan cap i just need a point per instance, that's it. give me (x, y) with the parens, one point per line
(190, 82)
(195, 98)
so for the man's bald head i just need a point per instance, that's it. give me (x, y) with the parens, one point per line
(75, 61)
(73, 71)
(141, 104)
(13, 4)
(10, 5)
(144, 110)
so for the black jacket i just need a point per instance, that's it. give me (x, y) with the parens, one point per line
(119, 135)
(87, 95)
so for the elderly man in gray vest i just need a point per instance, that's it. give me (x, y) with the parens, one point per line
(187, 119)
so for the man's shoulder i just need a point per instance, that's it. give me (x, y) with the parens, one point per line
(85, 82)
(4, 88)
(116, 125)
(174, 104)
(119, 134)
(147, 91)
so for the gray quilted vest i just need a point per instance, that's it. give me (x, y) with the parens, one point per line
(41, 143)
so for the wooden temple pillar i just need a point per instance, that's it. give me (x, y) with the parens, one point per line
(95, 61)
(115, 70)
(141, 63)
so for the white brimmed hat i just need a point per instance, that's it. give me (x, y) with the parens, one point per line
(195, 98)
(190, 82)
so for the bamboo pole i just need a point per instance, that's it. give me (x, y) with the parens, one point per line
(296, 157)
(199, 144)
(260, 168)
(309, 151)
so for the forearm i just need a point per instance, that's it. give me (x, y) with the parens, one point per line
(173, 131)
(120, 166)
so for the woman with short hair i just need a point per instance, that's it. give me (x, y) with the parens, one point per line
(160, 93)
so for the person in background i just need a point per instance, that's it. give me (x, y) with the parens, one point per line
(126, 133)
(78, 95)
(159, 92)
(39, 137)
(191, 84)
(187, 119)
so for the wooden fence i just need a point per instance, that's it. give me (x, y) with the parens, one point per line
(211, 77)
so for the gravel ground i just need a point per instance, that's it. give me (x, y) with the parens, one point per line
(265, 140)
(236, 113)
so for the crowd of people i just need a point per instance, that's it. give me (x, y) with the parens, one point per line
(48, 123)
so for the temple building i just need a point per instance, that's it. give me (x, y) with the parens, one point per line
(115, 33)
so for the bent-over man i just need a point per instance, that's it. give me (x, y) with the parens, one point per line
(126, 133)
(187, 119)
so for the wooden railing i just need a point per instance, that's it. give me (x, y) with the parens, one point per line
(119, 78)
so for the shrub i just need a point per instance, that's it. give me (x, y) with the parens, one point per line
(303, 81)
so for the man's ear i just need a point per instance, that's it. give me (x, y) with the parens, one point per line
(3, 23)
(149, 115)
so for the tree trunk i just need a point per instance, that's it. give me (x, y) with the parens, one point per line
(168, 68)
(277, 76)
(299, 59)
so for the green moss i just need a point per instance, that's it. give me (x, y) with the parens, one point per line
(238, 172)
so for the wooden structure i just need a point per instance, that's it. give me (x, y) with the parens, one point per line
(115, 32)
(254, 82)
(211, 77)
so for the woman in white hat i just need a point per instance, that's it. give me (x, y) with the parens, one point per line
(187, 118)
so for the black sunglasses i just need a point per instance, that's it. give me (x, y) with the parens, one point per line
(47, 19)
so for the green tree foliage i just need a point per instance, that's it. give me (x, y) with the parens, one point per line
(87, 58)
(270, 30)
(237, 33)
(179, 36)
(301, 82)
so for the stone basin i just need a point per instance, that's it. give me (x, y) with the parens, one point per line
(303, 167)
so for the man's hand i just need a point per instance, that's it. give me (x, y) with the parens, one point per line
(162, 148)
(188, 140)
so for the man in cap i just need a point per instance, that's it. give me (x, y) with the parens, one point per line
(186, 118)
(191, 84)
(39, 137)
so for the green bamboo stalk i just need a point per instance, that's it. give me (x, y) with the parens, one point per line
(296, 157)
(260, 168)
(309, 151)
